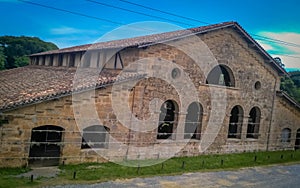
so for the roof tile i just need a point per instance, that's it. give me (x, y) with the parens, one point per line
(31, 84)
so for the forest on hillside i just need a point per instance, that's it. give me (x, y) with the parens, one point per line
(291, 85)
(14, 51)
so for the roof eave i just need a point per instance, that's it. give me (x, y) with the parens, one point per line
(288, 98)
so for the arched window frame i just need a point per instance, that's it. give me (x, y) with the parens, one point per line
(193, 122)
(253, 123)
(221, 75)
(235, 122)
(286, 135)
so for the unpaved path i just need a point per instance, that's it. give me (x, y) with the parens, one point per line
(273, 177)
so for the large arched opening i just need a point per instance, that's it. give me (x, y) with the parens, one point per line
(45, 145)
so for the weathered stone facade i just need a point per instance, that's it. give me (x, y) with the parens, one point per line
(242, 114)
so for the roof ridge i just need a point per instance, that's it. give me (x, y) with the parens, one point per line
(85, 47)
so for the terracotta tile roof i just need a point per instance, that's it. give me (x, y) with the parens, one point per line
(138, 41)
(156, 38)
(31, 84)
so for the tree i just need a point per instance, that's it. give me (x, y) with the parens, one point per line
(2, 58)
(16, 49)
(21, 61)
(288, 85)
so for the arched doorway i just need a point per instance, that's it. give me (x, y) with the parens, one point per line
(167, 119)
(45, 145)
(297, 142)
(193, 121)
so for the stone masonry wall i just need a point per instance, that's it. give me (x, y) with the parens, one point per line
(285, 115)
(145, 99)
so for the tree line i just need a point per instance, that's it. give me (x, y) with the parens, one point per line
(14, 50)
(291, 85)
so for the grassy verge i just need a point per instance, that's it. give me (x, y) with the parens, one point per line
(99, 172)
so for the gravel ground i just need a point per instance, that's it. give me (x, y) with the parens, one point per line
(273, 177)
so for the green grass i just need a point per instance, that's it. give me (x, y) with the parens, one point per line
(99, 172)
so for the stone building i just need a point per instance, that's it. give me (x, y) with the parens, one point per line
(211, 89)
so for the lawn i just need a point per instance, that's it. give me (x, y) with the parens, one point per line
(99, 172)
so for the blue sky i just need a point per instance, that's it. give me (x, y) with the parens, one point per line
(275, 19)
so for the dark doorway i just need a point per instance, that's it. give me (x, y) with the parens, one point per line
(166, 120)
(297, 142)
(45, 146)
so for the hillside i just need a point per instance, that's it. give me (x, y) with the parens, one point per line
(14, 51)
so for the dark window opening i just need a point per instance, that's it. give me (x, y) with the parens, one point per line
(51, 60)
(193, 122)
(43, 60)
(253, 123)
(257, 85)
(60, 59)
(235, 122)
(95, 136)
(72, 60)
(221, 75)
(175, 73)
(166, 120)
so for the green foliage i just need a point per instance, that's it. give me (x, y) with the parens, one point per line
(16, 49)
(21, 61)
(2, 58)
(291, 85)
(295, 76)
(178, 165)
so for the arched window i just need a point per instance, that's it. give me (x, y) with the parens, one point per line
(235, 122)
(221, 75)
(286, 135)
(253, 123)
(95, 136)
(193, 121)
(167, 119)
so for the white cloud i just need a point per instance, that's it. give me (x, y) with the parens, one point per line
(70, 30)
(289, 53)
